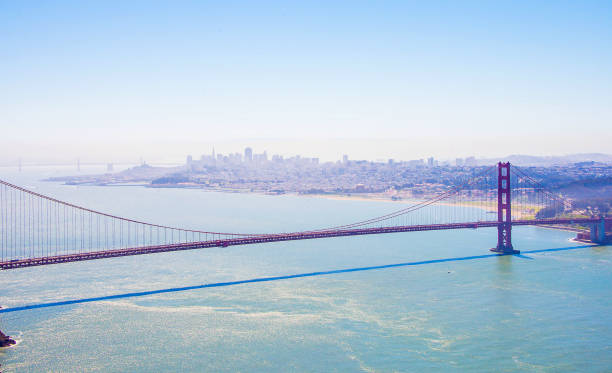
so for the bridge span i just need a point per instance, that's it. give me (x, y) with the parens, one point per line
(259, 239)
(38, 230)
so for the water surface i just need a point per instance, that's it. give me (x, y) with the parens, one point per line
(543, 311)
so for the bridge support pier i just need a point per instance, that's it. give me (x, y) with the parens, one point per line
(504, 211)
(598, 232)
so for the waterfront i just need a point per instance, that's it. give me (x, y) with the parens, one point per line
(543, 311)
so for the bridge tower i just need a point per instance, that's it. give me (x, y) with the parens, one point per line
(504, 211)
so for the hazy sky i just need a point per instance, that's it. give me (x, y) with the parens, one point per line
(119, 80)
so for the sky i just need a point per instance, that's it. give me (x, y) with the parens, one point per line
(113, 81)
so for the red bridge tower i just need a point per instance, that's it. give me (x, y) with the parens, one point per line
(504, 211)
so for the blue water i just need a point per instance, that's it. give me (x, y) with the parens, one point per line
(547, 310)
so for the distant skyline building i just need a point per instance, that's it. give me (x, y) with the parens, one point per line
(248, 154)
(260, 160)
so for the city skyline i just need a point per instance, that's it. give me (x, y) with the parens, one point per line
(240, 157)
(250, 156)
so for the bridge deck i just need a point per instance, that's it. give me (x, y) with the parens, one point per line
(256, 239)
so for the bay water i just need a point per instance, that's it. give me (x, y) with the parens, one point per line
(546, 310)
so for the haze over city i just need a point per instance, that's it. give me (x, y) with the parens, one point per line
(403, 80)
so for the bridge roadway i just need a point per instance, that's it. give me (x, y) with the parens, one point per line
(256, 239)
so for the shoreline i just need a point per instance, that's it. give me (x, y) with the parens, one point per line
(575, 240)
(334, 196)
(376, 198)
(364, 197)
(561, 228)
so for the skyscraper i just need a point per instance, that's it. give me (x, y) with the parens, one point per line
(248, 154)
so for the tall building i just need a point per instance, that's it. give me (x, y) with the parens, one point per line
(345, 159)
(430, 161)
(248, 154)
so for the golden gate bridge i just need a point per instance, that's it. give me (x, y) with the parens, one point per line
(39, 230)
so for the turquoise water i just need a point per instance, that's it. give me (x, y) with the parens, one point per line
(544, 311)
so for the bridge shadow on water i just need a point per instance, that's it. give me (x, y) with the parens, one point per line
(276, 278)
